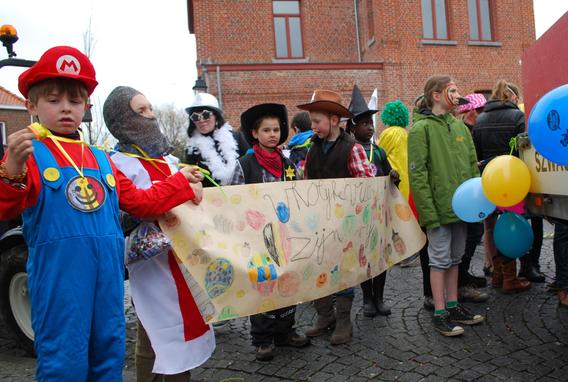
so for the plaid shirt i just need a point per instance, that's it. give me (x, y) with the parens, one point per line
(358, 163)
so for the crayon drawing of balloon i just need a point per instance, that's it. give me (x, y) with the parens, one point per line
(235, 199)
(219, 277)
(283, 212)
(334, 279)
(398, 243)
(312, 222)
(403, 212)
(288, 284)
(255, 219)
(339, 213)
(262, 273)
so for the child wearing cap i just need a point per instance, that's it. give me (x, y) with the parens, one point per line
(362, 129)
(167, 345)
(70, 195)
(333, 154)
(265, 126)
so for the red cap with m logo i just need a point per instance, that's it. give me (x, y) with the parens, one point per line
(60, 61)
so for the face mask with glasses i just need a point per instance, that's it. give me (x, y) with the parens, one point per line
(205, 115)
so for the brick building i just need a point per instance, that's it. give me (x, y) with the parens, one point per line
(252, 51)
(13, 115)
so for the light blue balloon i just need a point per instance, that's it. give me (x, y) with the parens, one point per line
(548, 125)
(513, 235)
(470, 203)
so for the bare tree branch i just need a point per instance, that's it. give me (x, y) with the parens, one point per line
(173, 123)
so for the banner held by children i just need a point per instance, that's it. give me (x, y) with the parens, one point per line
(255, 248)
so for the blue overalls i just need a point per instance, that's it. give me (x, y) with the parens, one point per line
(76, 272)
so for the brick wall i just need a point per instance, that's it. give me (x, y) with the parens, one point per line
(14, 119)
(231, 32)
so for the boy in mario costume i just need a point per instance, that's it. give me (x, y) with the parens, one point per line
(69, 195)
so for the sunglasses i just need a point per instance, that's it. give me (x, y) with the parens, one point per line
(203, 116)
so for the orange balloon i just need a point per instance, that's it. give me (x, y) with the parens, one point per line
(506, 180)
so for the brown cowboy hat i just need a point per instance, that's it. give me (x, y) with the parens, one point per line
(328, 101)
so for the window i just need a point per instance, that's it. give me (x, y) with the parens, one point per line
(479, 20)
(370, 20)
(434, 20)
(287, 29)
(2, 137)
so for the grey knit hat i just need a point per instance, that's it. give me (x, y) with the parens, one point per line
(130, 127)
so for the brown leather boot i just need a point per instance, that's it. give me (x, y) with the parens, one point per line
(326, 317)
(563, 298)
(343, 328)
(512, 283)
(497, 275)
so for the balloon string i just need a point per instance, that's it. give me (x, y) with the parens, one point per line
(513, 145)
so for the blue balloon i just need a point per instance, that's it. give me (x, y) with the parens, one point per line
(513, 235)
(470, 203)
(548, 125)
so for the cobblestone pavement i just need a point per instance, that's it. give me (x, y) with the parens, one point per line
(524, 338)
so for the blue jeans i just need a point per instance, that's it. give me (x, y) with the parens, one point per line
(560, 245)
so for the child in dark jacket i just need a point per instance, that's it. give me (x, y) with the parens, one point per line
(300, 143)
(265, 126)
(362, 129)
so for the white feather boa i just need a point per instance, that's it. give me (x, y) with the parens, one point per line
(220, 162)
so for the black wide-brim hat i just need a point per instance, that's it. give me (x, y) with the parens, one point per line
(251, 115)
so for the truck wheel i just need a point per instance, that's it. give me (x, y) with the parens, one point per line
(15, 309)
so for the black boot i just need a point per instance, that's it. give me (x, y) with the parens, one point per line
(369, 309)
(529, 271)
(378, 292)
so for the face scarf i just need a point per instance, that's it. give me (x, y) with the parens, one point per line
(131, 128)
(272, 162)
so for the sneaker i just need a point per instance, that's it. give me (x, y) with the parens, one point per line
(461, 315)
(264, 352)
(447, 328)
(428, 303)
(471, 294)
(412, 261)
(294, 340)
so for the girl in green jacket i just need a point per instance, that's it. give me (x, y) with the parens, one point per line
(441, 156)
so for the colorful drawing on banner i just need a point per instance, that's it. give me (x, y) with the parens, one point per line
(219, 277)
(223, 224)
(255, 219)
(228, 313)
(262, 273)
(339, 212)
(399, 246)
(321, 280)
(289, 284)
(334, 276)
(273, 245)
(403, 212)
(283, 212)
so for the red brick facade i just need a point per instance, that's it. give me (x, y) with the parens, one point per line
(13, 114)
(236, 49)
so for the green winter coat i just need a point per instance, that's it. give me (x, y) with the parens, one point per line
(441, 156)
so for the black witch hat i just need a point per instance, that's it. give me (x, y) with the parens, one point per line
(358, 106)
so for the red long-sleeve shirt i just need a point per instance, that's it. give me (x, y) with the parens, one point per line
(152, 202)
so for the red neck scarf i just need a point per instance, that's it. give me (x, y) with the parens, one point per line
(272, 162)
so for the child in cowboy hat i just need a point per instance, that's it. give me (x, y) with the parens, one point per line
(265, 127)
(69, 195)
(333, 154)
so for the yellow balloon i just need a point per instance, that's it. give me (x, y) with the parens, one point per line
(506, 180)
